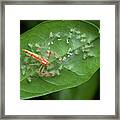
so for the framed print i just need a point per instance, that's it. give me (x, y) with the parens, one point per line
(60, 59)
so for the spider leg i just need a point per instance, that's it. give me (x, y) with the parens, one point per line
(56, 55)
(42, 70)
(41, 66)
(49, 53)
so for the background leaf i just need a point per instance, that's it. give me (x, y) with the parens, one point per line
(76, 71)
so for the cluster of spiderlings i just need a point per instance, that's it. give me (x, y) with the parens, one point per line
(76, 37)
(28, 64)
(73, 38)
(76, 41)
(64, 59)
(53, 37)
(86, 50)
(80, 39)
(23, 69)
(42, 51)
(39, 49)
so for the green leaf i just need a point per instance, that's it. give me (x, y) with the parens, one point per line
(85, 91)
(77, 68)
(89, 90)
